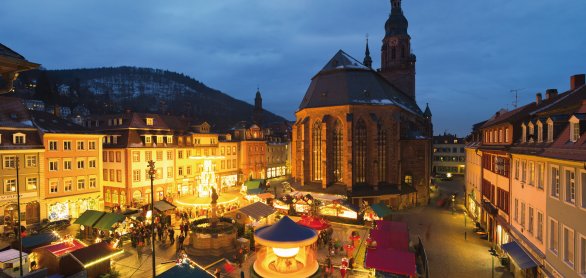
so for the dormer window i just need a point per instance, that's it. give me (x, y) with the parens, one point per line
(523, 133)
(506, 135)
(574, 129)
(549, 130)
(539, 132)
(149, 121)
(148, 139)
(169, 139)
(19, 139)
(159, 139)
(531, 132)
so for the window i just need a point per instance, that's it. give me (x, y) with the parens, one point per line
(135, 175)
(53, 186)
(555, 182)
(111, 156)
(539, 132)
(32, 183)
(9, 162)
(523, 133)
(108, 197)
(530, 221)
(149, 121)
(180, 171)
(19, 138)
(169, 172)
(360, 152)
(570, 191)
(136, 156)
(92, 163)
(67, 185)
(516, 215)
(549, 130)
(66, 164)
(583, 188)
(92, 145)
(80, 183)
(159, 173)
(159, 139)
(506, 135)
(53, 165)
(159, 155)
(517, 169)
(169, 155)
(553, 236)
(52, 145)
(316, 160)
(10, 185)
(148, 155)
(569, 243)
(93, 183)
(582, 269)
(31, 161)
(104, 156)
(67, 145)
(523, 171)
(169, 139)
(338, 151)
(118, 156)
(80, 145)
(148, 139)
(188, 169)
(523, 214)
(105, 175)
(531, 173)
(540, 226)
(539, 174)
(574, 131)
(382, 153)
(112, 175)
(80, 164)
(180, 154)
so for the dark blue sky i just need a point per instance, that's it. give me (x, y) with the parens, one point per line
(470, 54)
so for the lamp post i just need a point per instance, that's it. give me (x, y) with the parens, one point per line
(152, 173)
(492, 255)
(18, 209)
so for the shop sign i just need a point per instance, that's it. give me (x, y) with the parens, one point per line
(13, 196)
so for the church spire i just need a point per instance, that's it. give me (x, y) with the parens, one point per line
(367, 60)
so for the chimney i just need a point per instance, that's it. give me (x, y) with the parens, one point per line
(549, 93)
(576, 81)
(538, 98)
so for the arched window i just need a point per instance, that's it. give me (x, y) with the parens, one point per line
(337, 141)
(316, 155)
(360, 152)
(408, 180)
(393, 53)
(381, 142)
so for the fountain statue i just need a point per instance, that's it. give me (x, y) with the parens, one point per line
(214, 215)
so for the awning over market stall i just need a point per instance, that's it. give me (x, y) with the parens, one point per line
(254, 187)
(391, 253)
(94, 253)
(164, 206)
(254, 191)
(185, 271)
(315, 222)
(257, 210)
(521, 258)
(108, 220)
(381, 210)
(89, 217)
(31, 242)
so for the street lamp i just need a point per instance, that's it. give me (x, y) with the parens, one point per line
(492, 255)
(152, 173)
(18, 209)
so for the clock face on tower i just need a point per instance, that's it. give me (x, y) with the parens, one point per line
(394, 41)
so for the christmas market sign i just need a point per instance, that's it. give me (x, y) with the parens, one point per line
(13, 196)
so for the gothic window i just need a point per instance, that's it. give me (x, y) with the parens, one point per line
(316, 155)
(381, 142)
(338, 151)
(393, 53)
(402, 51)
(360, 152)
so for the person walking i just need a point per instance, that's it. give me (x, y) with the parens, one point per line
(171, 235)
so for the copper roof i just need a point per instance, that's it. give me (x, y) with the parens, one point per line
(344, 80)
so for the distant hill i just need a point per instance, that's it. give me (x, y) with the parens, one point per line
(114, 90)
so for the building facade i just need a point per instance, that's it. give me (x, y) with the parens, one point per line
(449, 156)
(362, 130)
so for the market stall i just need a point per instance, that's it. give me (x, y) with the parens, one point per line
(388, 250)
(49, 256)
(377, 212)
(339, 208)
(255, 213)
(10, 262)
(164, 210)
(94, 259)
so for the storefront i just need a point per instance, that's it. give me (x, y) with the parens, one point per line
(228, 181)
(277, 171)
(72, 206)
(29, 207)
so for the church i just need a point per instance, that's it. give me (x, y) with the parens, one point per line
(359, 130)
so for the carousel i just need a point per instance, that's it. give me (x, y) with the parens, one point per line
(288, 250)
(200, 198)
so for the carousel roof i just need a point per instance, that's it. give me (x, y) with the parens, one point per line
(285, 232)
(314, 222)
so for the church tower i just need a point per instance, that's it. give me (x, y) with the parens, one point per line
(257, 111)
(397, 61)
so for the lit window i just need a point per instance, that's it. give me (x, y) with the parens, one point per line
(136, 156)
(32, 183)
(31, 161)
(136, 175)
(149, 121)
(67, 185)
(10, 185)
(53, 186)
(19, 138)
(148, 139)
